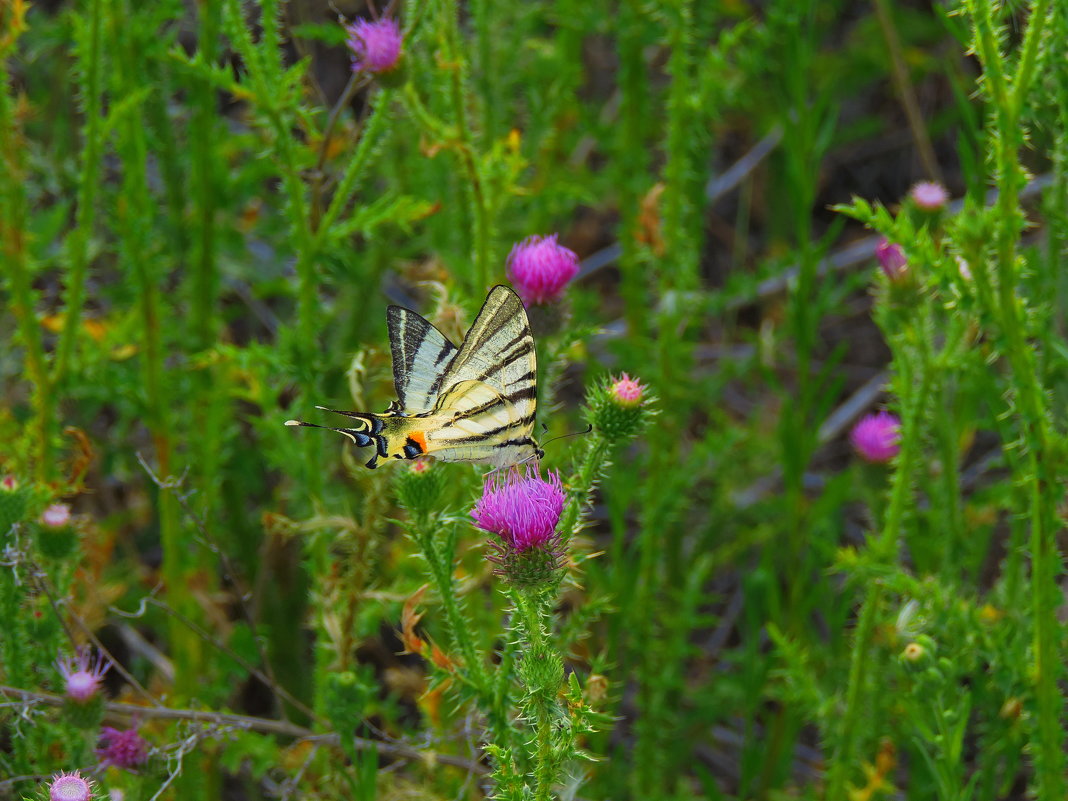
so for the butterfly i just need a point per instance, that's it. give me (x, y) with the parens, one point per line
(475, 403)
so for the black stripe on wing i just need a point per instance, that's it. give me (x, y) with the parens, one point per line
(421, 357)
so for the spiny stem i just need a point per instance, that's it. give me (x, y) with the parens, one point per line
(474, 187)
(88, 180)
(884, 551)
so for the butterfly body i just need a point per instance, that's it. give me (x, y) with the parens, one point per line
(475, 403)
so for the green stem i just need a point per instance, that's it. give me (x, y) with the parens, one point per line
(541, 698)
(370, 139)
(88, 181)
(884, 551)
(582, 486)
(1037, 435)
(474, 187)
(134, 223)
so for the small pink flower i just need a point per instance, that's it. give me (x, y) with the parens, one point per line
(540, 268)
(891, 259)
(82, 675)
(69, 787)
(56, 516)
(375, 45)
(929, 195)
(9, 483)
(123, 749)
(520, 508)
(876, 437)
(626, 391)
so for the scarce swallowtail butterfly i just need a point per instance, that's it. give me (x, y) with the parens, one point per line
(475, 403)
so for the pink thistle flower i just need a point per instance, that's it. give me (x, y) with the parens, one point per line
(891, 259)
(9, 483)
(929, 195)
(56, 516)
(626, 391)
(522, 509)
(123, 749)
(82, 675)
(877, 436)
(375, 45)
(69, 787)
(540, 268)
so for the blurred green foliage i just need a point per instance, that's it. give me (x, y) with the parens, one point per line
(203, 215)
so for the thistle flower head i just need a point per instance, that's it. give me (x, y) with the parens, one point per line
(891, 259)
(375, 45)
(69, 787)
(522, 509)
(876, 437)
(123, 749)
(82, 674)
(929, 195)
(539, 268)
(56, 516)
(9, 484)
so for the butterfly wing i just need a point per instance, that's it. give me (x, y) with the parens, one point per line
(472, 404)
(488, 395)
(499, 351)
(421, 357)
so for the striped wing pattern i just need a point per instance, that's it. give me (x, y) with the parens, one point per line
(490, 387)
(421, 355)
(474, 404)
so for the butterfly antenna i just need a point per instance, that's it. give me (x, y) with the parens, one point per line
(589, 429)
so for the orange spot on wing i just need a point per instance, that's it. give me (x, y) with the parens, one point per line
(419, 438)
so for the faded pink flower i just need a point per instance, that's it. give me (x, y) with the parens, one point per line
(876, 437)
(123, 749)
(539, 268)
(929, 195)
(56, 516)
(891, 259)
(69, 787)
(626, 391)
(375, 45)
(82, 675)
(9, 483)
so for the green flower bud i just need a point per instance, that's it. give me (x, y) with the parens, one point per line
(419, 487)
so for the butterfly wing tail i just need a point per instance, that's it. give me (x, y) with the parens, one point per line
(368, 433)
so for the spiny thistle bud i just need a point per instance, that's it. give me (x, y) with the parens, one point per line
(69, 787)
(929, 195)
(12, 504)
(123, 749)
(56, 537)
(419, 486)
(56, 515)
(522, 509)
(618, 408)
(375, 45)
(891, 259)
(540, 268)
(877, 436)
